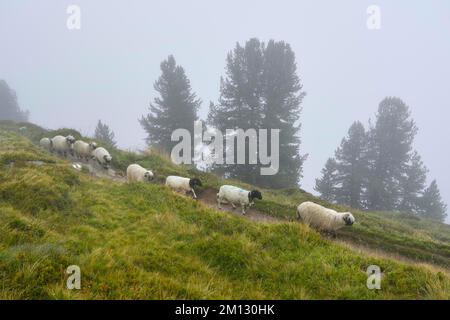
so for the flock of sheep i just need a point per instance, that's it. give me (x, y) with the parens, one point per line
(77, 148)
(310, 213)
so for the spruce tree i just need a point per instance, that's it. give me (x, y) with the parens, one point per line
(282, 98)
(9, 108)
(390, 144)
(327, 184)
(378, 169)
(431, 204)
(351, 158)
(261, 90)
(412, 184)
(175, 108)
(239, 105)
(105, 134)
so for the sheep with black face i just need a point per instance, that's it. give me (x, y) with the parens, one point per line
(84, 150)
(322, 218)
(183, 184)
(137, 173)
(102, 156)
(237, 196)
(63, 145)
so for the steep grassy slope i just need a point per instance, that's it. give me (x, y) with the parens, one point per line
(143, 241)
(398, 233)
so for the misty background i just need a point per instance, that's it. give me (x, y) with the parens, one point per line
(106, 70)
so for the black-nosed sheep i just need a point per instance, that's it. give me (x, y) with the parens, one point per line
(183, 184)
(84, 150)
(63, 145)
(137, 173)
(102, 156)
(322, 218)
(235, 195)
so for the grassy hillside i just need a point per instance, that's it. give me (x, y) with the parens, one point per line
(402, 234)
(143, 241)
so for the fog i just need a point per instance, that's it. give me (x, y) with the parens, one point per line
(106, 69)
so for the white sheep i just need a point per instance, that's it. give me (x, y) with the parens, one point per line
(183, 184)
(46, 143)
(322, 218)
(235, 195)
(63, 145)
(102, 156)
(83, 150)
(137, 173)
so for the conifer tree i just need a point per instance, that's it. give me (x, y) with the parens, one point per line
(239, 105)
(379, 170)
(390, 145)
(105, 134)
(327, 184)
(351, 158)
(175, 108)
(9, 107)
(431, 204)
(261, 90)
(412, 184)
(282, 98)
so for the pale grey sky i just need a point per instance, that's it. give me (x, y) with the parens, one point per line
(106, 70)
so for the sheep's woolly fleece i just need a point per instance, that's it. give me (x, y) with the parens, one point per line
(322, 218)
(137, 173)
(233, 195)
(180, 184)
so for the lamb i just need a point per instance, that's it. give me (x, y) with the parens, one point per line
(102, 156)
(137, 173)
(84, 150)
(235, 195)
(63, 145)
(183, 184)
(46, 143)
(323, 219)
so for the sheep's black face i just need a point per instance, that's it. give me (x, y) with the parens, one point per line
(348, 219)
(93, 145)
(107, 158)
(148, 175)
(70, 140)
(255, 194)
(195, 182)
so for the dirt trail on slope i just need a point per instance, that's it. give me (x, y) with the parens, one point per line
(206, 196)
